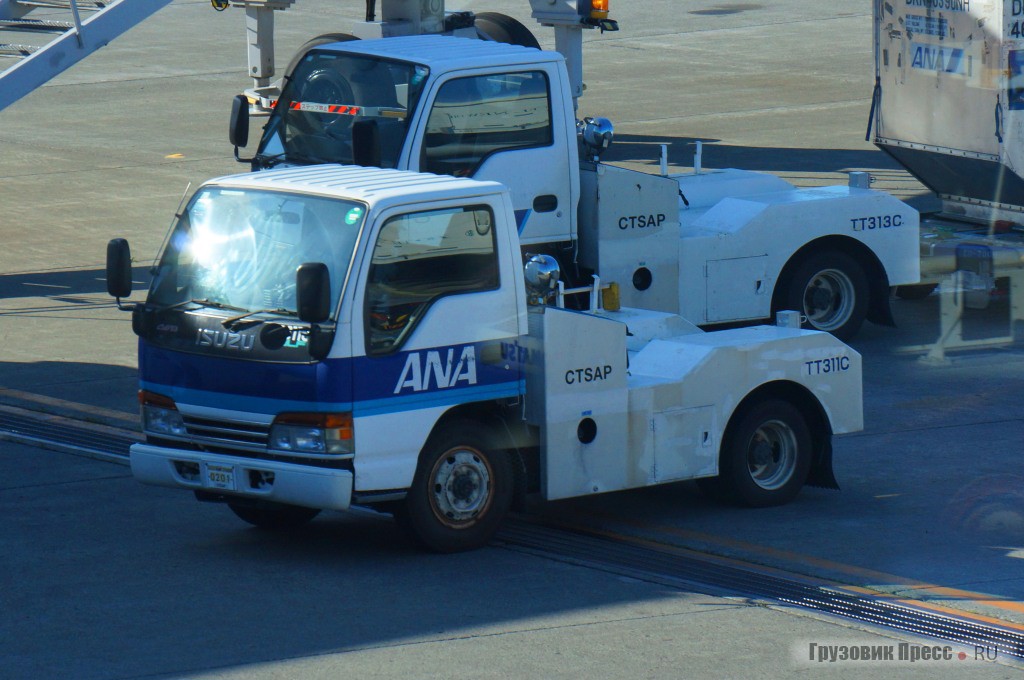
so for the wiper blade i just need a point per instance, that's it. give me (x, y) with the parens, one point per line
(202, 302)
(232, 322)
(270, 161)
(307, 159)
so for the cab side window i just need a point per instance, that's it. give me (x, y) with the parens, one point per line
(419, 258)
(477, 116)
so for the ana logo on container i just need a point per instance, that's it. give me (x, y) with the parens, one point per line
(942, 59)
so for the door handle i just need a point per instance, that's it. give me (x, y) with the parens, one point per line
(545, 203)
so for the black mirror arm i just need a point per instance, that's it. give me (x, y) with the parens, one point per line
(244, 160)
(131, 307)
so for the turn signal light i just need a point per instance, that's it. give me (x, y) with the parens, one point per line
(153, 399)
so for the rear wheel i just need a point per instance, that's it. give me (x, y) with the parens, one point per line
(505, 29)
(462, 490)
(766, 455)
(273, 516)
(316, 42)
(830, 289)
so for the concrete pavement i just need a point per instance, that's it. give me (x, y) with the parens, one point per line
(108, 149)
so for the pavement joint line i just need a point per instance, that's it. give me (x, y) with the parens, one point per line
(141, 79)
(928, 428)
(132, 166)
(55, 270)
(99, 411)
(703, 31)
(766, 551)
(806, 106)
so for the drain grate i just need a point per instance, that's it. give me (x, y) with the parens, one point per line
(663, 565)
(65, 435)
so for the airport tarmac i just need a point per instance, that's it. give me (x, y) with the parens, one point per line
(931, 506)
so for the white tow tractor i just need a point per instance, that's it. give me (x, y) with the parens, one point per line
(715, 246)
(325, 336)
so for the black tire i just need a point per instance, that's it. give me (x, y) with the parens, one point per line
(766, 455)
(316, 42)
(505, 29)
(830, 289)
(916, 292)
(273, 516)
(462, 490)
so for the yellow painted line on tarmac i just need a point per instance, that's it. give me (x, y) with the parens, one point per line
(942, 609)
(973, 597)
(70, 405)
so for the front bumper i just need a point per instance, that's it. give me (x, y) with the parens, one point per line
(291, 483)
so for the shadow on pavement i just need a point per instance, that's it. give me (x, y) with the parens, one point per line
(61, 285)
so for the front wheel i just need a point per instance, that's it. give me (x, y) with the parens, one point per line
(273, 516)
(462, 490)
(766, 454)
(830, 289)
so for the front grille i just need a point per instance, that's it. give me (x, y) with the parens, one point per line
(252, 437)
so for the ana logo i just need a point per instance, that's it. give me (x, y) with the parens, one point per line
(225, 340)
(444, 372)
(943, 59)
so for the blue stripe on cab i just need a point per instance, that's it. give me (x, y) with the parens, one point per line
(404, 381)
(521, 217)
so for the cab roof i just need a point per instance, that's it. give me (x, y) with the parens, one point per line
(444, 53)
(375, 186)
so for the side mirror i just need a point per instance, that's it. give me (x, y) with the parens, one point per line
(119, 268)
(366, 143)
(238, 128)
(313, 292)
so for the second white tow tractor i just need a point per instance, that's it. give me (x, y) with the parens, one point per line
(716, 246)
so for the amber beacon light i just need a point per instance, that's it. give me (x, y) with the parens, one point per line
(595, 13)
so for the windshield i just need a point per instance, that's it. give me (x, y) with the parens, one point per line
(239, 248)
(327, 94)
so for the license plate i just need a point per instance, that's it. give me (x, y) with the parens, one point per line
(220, 476)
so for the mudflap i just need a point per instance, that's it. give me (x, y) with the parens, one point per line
(879, 309)
(821, 474)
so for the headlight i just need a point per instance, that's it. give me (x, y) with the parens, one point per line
(160, 415)
(313, 433)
